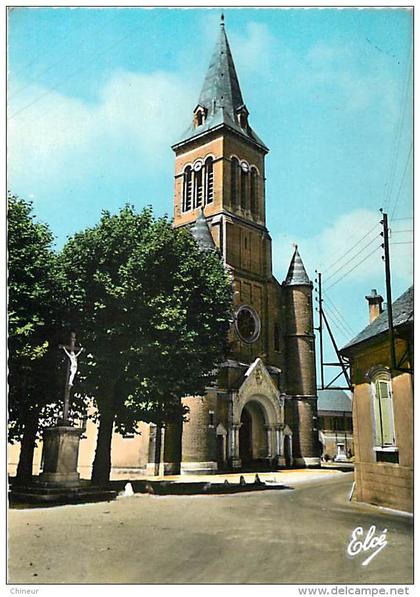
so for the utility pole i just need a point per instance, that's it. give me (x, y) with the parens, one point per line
(386, 258)
(321, 346)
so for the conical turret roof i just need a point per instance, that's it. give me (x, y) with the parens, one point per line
(221, 97)
(201, 232)
(297, 276)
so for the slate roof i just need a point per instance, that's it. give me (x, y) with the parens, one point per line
(402, 313)
(201, 232)
(336, 400)
(297, 276)
(221, 96)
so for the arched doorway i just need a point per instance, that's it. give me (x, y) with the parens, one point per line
(253, 444)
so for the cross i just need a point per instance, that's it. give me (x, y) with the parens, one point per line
(71, 372)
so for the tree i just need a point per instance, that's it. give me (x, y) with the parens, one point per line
(32, 318)
(153, 313)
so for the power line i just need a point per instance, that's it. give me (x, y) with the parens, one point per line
(74, 72)
(353, 268)
(337, 323)
(401, 219)
(339, 314)
(352, 258)
(398, 131)
(402, 180)
(83, 41)
(408, 242)
(351, 248)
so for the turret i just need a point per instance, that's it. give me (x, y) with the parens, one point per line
(300, 360)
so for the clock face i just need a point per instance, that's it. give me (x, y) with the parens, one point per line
(247, 324)
(198, 165)
(244, 166)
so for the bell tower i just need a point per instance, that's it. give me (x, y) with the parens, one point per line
(220, 175)
(220, 195)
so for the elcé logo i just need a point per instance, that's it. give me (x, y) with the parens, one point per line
(358, 543)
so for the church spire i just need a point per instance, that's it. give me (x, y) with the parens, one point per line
(220, 103)
(221, 86)
(297, 276)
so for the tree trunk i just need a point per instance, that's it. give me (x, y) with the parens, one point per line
(158, 448)
(27, 447)
(101, 468)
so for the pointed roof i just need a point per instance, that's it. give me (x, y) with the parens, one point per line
(221, 96)
(221, 83)
(297, 276)
(201, 232)
(402, 315)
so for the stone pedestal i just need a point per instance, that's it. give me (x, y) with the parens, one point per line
(61, 451)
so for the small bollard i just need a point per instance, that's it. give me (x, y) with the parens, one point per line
(242, 480)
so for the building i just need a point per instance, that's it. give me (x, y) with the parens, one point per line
(383, 405)
(264, 406)
(335, 425)
(263, 410)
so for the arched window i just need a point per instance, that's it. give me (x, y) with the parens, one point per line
(234, 169)
(254, 192)
(244, 189)
(209, 180)
(198, 187)
(187, 190)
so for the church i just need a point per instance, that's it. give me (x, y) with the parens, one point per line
(262, 412)
(263, 409)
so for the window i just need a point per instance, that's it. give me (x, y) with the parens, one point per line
(209, 181)
(198, 186)
(234, 169)
(247, 324)
(187, 192)
(244, 189)
(254, 192)
(199, 116)
(383, 410)
(211, 418)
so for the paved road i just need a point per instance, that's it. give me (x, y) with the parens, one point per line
(274, 536)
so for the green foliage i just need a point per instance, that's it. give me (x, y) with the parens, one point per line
(31, 310)
(151, 310)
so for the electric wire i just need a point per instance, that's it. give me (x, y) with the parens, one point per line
(339, 314)
(92, 32)
(337, 323)
(353, 268)
(398, 131)
(356, 244)
(352, 258)
(397, 199)
(73, 73)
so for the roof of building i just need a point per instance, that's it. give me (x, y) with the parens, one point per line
(402, 314)
(296, 275)
(201, 232)
(334, 400)
(221, 96)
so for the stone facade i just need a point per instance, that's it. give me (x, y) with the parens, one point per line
(268, 380)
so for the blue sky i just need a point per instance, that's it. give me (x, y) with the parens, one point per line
(97, 97)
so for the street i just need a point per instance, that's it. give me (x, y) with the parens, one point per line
(276, 536)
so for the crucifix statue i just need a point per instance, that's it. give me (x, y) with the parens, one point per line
(72, 355)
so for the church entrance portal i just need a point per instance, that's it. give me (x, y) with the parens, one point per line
(253, 444)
